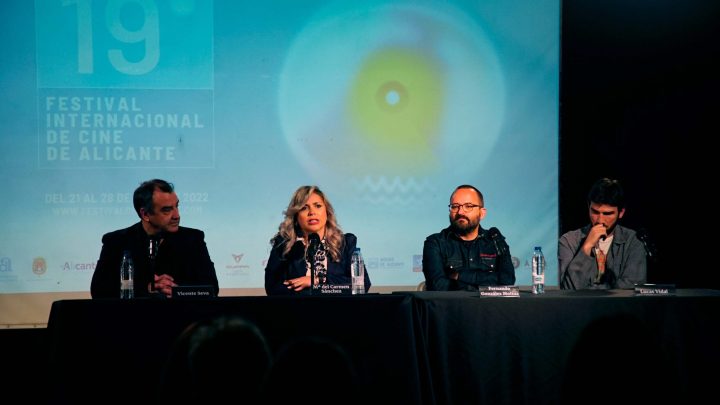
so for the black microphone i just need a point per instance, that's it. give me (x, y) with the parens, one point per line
(153, 247)
(495, 235)
(643, 236)
(314, 244)
(314, 240)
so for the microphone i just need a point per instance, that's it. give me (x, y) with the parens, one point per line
(644, 237)
(496, 236)
(314, 240)
(153, 248)
(314, 244)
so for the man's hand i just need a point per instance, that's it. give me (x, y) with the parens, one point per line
(164, 284)
(596, 232)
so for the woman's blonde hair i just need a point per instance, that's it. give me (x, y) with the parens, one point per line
(289, 229)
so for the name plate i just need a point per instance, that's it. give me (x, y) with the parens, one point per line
(654, 289)
(193, 291)
(499, 291)
(333, 289)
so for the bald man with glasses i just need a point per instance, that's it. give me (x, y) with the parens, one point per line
(464, 256)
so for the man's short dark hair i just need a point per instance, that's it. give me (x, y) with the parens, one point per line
(482, 199)
(142, 198)
(607, 191)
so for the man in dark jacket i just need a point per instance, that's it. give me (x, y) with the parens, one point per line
(165, 254)
(465, 256)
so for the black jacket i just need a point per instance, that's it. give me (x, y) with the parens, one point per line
(477, 262)
(182, 255)
(280, 268)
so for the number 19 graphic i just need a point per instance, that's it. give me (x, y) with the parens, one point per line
(117, 44)
(147, 34)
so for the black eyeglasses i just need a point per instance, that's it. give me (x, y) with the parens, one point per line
(468, 207)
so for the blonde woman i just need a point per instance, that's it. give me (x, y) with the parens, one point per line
(309, 215)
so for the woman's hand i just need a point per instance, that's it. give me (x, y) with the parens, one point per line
(298, 284)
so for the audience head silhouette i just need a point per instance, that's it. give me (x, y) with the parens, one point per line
(317, 369)
(216, 359)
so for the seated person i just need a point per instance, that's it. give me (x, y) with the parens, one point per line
(602, 254)
(288, 267)
(465, 256)
(164, 253)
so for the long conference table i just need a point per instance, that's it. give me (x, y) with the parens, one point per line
(421, 347)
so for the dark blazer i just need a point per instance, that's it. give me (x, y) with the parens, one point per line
(293, 265)
(182, 255)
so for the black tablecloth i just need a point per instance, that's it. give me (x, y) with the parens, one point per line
(101, 347)
(570, 346)
(423, 347)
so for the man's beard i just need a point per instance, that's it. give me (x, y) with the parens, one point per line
(463, 229)
(609, 230)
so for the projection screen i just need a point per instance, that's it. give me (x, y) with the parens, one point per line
(387, 106)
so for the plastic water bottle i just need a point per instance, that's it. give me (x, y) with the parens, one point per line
(127, 277)
(357, 268)
(538, 271)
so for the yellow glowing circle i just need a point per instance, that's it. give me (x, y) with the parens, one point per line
(398, 90)
(396, 101)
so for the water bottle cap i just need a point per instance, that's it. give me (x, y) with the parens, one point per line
(538, 248)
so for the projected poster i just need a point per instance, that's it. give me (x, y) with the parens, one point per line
(386, 105)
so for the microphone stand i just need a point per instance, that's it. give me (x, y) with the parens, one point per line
(649, 246)
(313, 241)
(313, 285)
(495, 235)
(655, 271)
(152, 255)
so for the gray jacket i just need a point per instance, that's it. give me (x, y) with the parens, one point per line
(626, 262)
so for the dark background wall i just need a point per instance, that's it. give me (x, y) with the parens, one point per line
(639, 103)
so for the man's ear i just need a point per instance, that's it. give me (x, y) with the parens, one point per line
(621, 213)
(144, 214)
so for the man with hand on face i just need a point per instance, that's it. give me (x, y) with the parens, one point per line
(164, 253)
(602, 254)
(465, 256)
